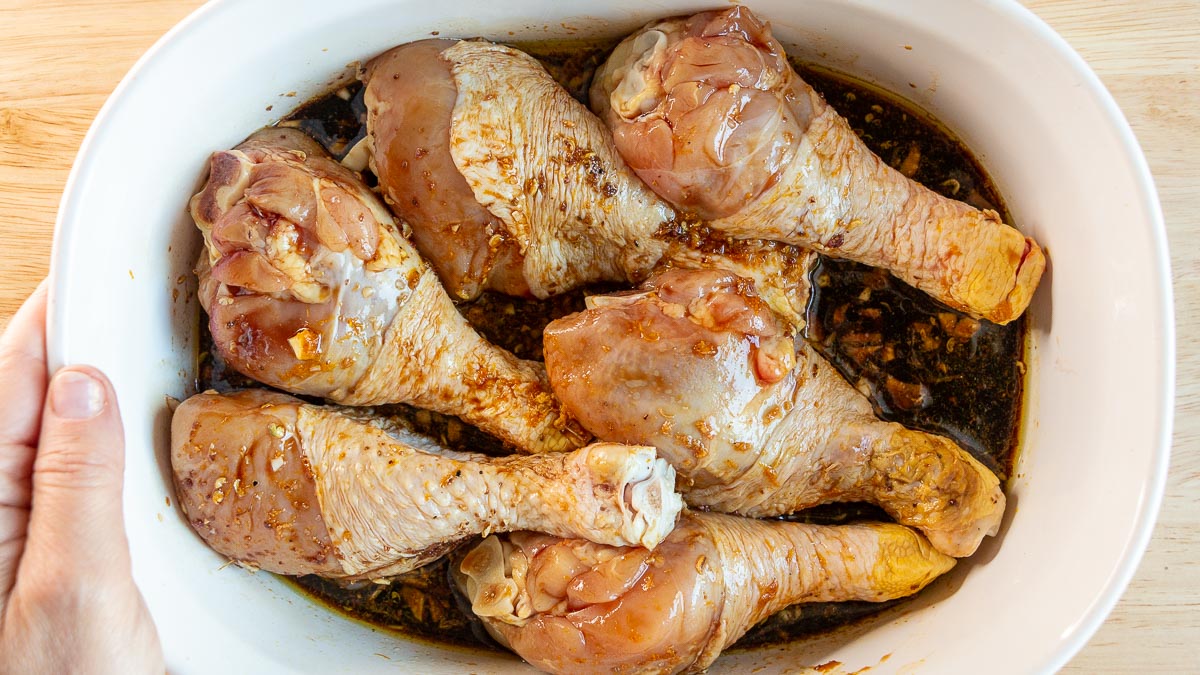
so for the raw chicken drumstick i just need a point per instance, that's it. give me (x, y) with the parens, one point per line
(571, 606)
(753, 419)
(310, 288)
(707, 110)
(508, 183)
(299, 489)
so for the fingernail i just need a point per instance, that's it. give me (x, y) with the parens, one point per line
(75, 395)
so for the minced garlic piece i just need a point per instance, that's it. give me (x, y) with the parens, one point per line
(306, 344)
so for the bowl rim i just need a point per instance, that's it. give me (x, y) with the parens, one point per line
(1154, 485)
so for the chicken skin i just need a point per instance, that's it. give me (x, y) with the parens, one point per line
(310, 287)
(509, 184)
(707, 110)
(705, 175)
(571, 606)
(300, 489)
(756, 423)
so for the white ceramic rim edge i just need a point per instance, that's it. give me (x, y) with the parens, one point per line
(1155, 486)
(1155, 489)
(55, 347)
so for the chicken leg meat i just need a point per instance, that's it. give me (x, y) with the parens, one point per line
(299, 489)
(571, 606)
(707, 110)
(311, 288)
(753, 419)
(508, 183)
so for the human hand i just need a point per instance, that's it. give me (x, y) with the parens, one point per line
(67, 598)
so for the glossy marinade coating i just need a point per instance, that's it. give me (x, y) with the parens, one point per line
(698, 365)
(550, 199)
(300, 489)
(311, 287)
(707, 110)
(569, 606)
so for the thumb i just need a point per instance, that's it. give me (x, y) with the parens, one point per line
(76, 524)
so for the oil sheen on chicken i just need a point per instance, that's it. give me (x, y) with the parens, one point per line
(294, 488)
(310, 287)
(755, 422)
(571, 606)
(707, 110)
(508, 182)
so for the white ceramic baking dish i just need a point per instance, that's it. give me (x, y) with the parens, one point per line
(1097, 424)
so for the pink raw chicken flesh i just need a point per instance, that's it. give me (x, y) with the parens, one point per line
(508, 183)
(698, 365)
(288, 487)
(310, 287)
(570, 606)
(707, 110)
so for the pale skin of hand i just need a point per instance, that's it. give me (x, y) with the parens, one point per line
(68, 603)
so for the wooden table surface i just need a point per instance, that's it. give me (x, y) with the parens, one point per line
(59, 60)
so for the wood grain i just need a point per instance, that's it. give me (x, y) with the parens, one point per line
(60, 60)
(58, 63)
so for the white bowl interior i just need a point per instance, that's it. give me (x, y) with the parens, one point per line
(1097, 423)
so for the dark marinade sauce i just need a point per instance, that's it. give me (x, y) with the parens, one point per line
(920, 363)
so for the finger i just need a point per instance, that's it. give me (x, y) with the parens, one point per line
(22, 387)
(23, 372)
(76, 525)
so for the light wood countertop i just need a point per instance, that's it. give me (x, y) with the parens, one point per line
(60, 59)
